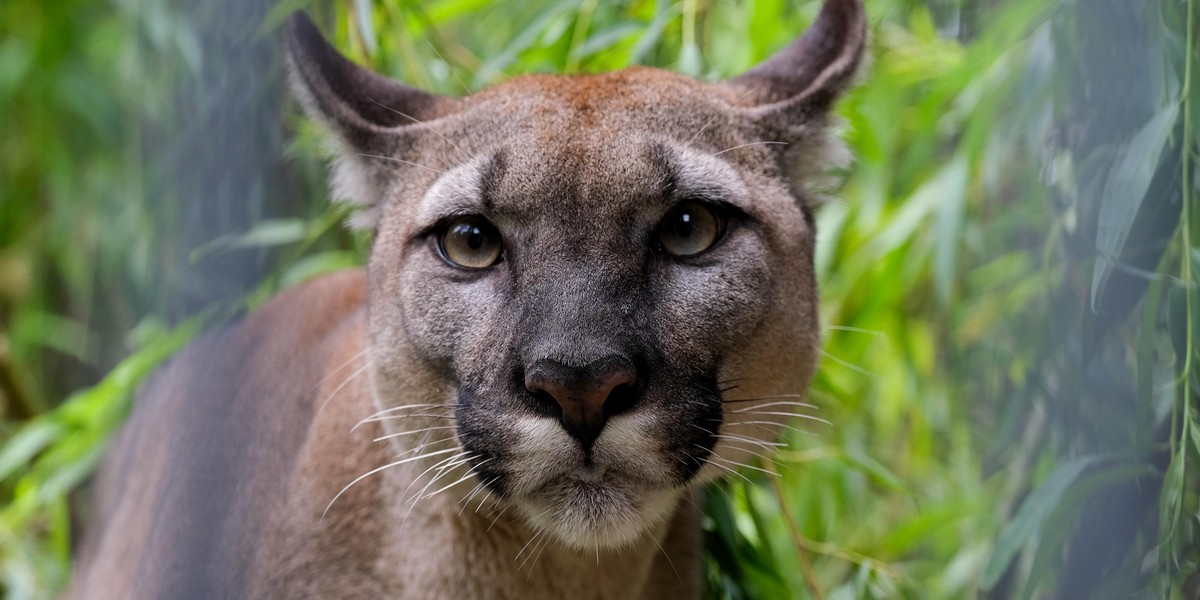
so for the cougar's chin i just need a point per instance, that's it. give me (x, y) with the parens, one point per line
(592, 511)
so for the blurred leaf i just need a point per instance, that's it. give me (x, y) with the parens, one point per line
(275, 232)
(951, 186)
(1124, 191)
(23, 446)
(1029, 519)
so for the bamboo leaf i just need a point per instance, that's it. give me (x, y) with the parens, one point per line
(1030, 517)
(1123, 193)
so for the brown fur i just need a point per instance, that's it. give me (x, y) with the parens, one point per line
(221, 484)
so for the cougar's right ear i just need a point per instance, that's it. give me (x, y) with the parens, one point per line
(372, 116)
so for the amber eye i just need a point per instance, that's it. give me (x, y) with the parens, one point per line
(690, 228)
(471, 242)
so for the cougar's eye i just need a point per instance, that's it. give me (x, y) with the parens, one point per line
(471, 242)
(690, 228)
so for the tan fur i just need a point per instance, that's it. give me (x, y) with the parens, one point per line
(368, 435)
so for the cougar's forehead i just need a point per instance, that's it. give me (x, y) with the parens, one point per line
(607, 105)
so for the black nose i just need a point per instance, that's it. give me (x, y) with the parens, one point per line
(588, 395)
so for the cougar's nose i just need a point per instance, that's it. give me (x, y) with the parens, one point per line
(587, 395)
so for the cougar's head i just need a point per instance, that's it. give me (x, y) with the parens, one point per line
(611, 276)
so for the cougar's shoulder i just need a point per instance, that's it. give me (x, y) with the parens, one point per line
(189, 488)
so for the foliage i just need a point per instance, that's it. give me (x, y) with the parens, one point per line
(1009, 272)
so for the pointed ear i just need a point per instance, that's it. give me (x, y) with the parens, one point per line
(361, 106)
(806, 77)
(791, 94)
(373, 117)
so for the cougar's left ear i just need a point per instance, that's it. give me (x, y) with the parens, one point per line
(374, 118)
(790, 94)
(808, 76)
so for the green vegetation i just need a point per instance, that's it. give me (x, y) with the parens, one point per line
(1009, 271)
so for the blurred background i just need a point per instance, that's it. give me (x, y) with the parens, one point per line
(1009, 300)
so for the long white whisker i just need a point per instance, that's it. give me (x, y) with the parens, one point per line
(415, 431)
(774, 403)
(409, 416)
(471, 473)
(734, 462)
(660, 549)
(784, 414)
(739, 438)
(459, 460)
(401, 161)
(393, 409)
(731, 470)
(749, 144)
(768, 425)
(533, 537)
(356, 356)
(849, 365)
(351, 377)
(378, 469)
(421, 123)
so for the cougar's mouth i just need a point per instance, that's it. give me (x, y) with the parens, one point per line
(590, 508)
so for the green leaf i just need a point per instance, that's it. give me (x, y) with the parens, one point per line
(950, 185)
(22, 447)
(1033, 512)
(275, 232)
(1123, 193)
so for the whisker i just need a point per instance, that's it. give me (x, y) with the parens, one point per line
(748, 144)
(401, 161)
(356, 356)
(459, 460)
(849, 365)
(734, 462)
(351, 377)
(768, 425)
(537, 534)
(378, 469)
(785, 414)
(415, 431)
(731, 470)
(488, 494)
(545, 543)
(857, 330)
(413, 416)
(729, 436)
(437, 465)
(393, 409)
(660, 549)
(775, 403)
(471, 473)
(421, 123)
(756, 398)
(503, 510)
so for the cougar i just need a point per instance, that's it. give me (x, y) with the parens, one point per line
(586, 297)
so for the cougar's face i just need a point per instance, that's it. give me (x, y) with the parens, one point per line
(604, 282)
(600, 271)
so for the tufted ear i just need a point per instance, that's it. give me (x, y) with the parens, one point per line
(372, 116)
(790, 95)
(359, 105)
(808, 76)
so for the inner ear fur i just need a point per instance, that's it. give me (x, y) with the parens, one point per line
(358, 104)
(373, 118)
(791, 94)
(808, 75)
